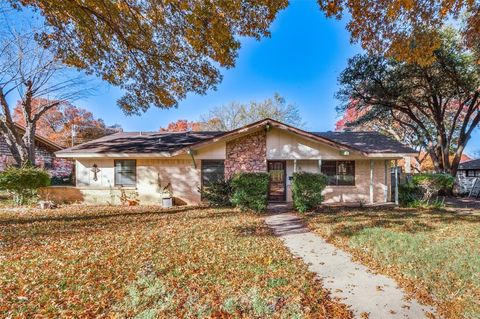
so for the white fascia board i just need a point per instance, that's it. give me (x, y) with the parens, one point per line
(113, 155)
(390, 155)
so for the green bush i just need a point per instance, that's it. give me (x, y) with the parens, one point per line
(409, 194)
(307, 190)
(431, 184)
(23, 182)
(218, 193)
(418, 192)
(250, 191)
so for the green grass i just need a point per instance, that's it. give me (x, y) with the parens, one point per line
(143, 262)
(435, 255)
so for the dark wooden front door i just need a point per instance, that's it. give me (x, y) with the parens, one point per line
(277, 188)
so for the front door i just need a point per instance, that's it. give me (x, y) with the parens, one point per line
(277, 188)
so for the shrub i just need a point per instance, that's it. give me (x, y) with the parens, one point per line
(250, 191)
(218, 193)
(23, 182)
(431, 184)
(419, 190)
(307, 190)
(408, 194)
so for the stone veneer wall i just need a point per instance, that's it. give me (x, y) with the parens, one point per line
(246, 154)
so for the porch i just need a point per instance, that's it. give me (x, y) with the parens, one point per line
(350, 181)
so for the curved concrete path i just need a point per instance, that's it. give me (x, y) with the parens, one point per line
(366, 293)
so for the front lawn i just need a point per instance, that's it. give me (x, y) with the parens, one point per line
(434, 255)
(145, 262)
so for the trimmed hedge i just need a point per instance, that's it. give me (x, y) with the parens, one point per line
(250, 191)
(23, 182)
(307, 190)
(218, 193)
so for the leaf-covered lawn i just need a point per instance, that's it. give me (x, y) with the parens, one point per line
(434, 255)
(125, 262)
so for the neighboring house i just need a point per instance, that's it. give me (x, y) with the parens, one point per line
(44, 156)
(466, 175)
(140, 164)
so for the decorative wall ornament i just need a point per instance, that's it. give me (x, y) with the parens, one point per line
(95, 171)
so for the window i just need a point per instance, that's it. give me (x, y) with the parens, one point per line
(340, 173)
(48, 164)
(473, 173)
(125, 173)
(212, 171)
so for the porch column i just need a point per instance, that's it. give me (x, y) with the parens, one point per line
(319, 165)
(371, 181)
(396, 183)
(294, 165)
(386, 182)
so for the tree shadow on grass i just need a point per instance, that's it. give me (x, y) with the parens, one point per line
(346, 222)
(99, 216)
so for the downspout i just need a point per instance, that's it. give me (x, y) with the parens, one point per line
(396, 182)
(192, 153)
(371, 181)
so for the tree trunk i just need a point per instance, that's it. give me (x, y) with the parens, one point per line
(29, 140)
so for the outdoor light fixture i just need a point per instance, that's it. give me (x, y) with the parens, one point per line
(344, 152)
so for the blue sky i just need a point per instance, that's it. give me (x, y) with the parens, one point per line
(301, 60)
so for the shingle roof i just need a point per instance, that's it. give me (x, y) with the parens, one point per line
(474, 164)
(369, 142)
(141, 142)
(158, 142)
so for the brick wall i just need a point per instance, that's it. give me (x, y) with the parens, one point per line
(44, 158)
(246, 154)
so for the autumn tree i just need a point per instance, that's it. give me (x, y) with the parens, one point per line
(354, 119)
(405, 29)
(157, 51)
(182, 126)
(439, 102)
(66, 122)
(32, 72)
(235, 115)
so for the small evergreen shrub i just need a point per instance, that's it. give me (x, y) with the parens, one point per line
(409, 194)
(218, 193)
(250, 191)
(307, 190)
(23, 182)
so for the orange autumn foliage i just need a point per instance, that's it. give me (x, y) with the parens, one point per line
(56, 124)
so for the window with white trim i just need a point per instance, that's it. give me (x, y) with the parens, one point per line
(339, 173)
(125, 173)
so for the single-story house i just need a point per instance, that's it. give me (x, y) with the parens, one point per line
(141, 164)
(467, 173)
(44, 155)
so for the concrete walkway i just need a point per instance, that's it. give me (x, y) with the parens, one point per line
(366, 293)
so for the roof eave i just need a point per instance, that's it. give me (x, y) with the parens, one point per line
(391, 155)
(62, 154)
